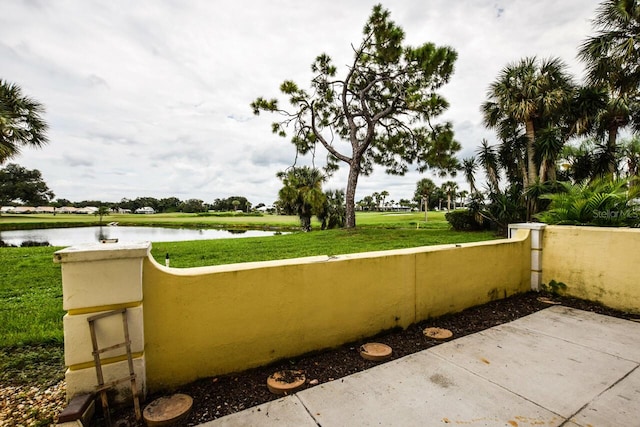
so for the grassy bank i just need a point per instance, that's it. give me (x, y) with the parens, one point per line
(330, 242)
(21, 222)
(213, 220)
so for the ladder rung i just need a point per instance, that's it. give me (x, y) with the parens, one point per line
(107, 314)
(115, 382)
(113, 347)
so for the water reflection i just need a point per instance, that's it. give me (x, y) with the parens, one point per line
(80, 235)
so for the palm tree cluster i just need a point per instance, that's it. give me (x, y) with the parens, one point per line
(537, 108)
(302, 195)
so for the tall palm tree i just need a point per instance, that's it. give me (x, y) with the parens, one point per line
(612, 57)
(469, 167)
(463, 195)
(424, 188)
(21, 123)
(548, 147)
(302, 191)
(450, 188)
(488, 159)
(613, 53)
(384, 194)
(530, 93)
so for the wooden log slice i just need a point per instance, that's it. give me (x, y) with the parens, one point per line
(375, 351)
(167, 411)
(437, 333)
(285, 382)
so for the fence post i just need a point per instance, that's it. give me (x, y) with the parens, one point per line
(537, 231)
(97, 278)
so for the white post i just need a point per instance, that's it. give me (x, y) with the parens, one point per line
(537, 231)
(97, 278)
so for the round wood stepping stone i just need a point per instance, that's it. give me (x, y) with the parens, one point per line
(284, 382)
(437, 333)
(167, 411)
(375, 351)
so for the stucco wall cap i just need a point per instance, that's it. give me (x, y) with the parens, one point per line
(102, 251)
(529, 225)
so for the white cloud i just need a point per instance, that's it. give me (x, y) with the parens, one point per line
(151, 98)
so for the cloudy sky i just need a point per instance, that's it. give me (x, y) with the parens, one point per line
(151, 98)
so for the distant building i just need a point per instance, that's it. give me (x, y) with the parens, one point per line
(46, 209)
(23, 210)
(67, 209)
(88, 210)
(145, 210)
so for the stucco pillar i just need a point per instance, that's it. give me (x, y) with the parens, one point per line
(97, 278)
(537, 231)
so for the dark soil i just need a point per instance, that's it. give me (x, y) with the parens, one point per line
(219, 396)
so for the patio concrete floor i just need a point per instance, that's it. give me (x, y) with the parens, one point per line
(556, 367)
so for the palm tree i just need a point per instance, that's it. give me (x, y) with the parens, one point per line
(511, 155)
(333, 213)
(469, 167)
(424, 188)
(548, 145)
(450, 188)
(21, 123)
(463, 195)
(384, 194)
(631, 151)
(302, 191)
(529, 93)
(488, 159)
(612, 57)
(378, 198)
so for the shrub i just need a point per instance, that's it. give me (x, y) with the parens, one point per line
(466, 220)
(601, 202)
(33, 243)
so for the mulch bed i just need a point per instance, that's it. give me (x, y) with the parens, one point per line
(219, 396)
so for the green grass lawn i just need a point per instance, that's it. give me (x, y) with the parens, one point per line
(10, 222)
(380, 219)
(330, 242)
(30, 283)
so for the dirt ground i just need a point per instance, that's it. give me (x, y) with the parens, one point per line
(219, 396)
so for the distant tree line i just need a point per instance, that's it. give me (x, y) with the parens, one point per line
(23, 187)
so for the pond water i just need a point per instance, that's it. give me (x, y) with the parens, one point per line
(79, 235)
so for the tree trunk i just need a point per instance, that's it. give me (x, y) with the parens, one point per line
(425, 202)
(305, 223)
(611, 149)
(531, 153)
(551, 172)
(532, 173)
(352, 183)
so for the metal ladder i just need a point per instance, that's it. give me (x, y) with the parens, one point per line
(102, 388)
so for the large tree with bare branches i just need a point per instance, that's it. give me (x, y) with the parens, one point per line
(381, 112)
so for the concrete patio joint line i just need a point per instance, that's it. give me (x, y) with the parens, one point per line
(600, 394)
(489, 380)
(308, 411)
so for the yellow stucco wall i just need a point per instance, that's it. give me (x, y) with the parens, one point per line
(209, 321)
(595, 263)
